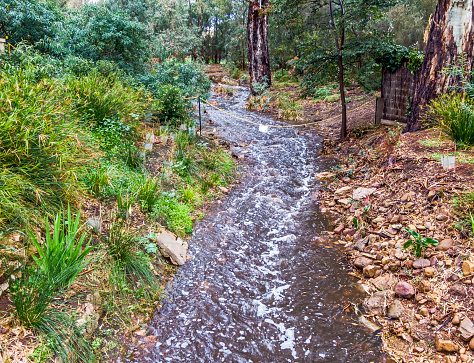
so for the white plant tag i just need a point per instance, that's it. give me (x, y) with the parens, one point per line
(263, 128)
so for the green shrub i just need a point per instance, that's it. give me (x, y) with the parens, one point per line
(173, 109)
(332, 98)
(148, 194)
(455, 115)
(175, 215)
(62, 254)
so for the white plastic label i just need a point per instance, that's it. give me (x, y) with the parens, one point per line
(263, 128)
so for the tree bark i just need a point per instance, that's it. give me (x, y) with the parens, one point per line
(340, 46)
(257, 42)
(451, 34)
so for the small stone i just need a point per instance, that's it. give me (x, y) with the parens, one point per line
(424, 312)
(445, 345)
(420, 227)
(361, 262)
(395, 219)
(405, 290)
(429, 272)
(385, 282)
(409, 263)
(362, 193)
(445, 244)
(412, 227)
(448, 263)
(442, 217)
(466, 329)
(425, 286)
(342, 191)
(449, 359)
(346, 180)
(331, 204)
(224, 189)
(431, 194)
(396, 310)
(349, 232)
(339, 229)
(405, 197)
(397, 226)
(456, 319)
(345, 201)
(369, 271)
(434, 261)
(464, 358)
(419, 349)
(462, 351)
(421, 263)
(467, 268)
(379, 220)
(458, 289)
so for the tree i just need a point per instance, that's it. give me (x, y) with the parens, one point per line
(346, 36)
(257, 42)
(451, 35)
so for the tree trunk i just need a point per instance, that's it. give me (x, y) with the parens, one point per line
(451, 34)
(257, 42)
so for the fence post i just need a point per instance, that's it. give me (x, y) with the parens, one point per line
(2, 44)
(200, 126)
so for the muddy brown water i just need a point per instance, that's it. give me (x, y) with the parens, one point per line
(257, 289)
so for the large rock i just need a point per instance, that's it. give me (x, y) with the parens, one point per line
(466, 329)
(458, 289)
(467, 268)
(377, 303)
(361, 262)
(396, 310)
(421, 263)
(362, 193)
(385, 282)
(405, 290)
(445, 244)
(174, 247)
(445, 345)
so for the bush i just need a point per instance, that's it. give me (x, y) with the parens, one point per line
(175, 215)
(173, 109)
(455, 115)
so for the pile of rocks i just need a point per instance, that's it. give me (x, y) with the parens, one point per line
(423, 304)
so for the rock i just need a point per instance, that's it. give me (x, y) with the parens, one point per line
(369, 271)
(464, 357)
(361, 244)
(421, 263)
(467, 268)
(396, 310)
(95, 225)
(362, 193)
(339, 229)
(345, 201)
(409, 263)
(395, 219)
(434, 261)
(325, 175)
(471, 344)
(224, 189)
(173, 246)
(3, 287)
(368, 324)
(445, 345)
(361, 262)
(385, 282)
(450, 359)
(342, 191)
(412, 227)
(379, 220)
(458, 289)
(456, 319)
(405, 290)
(425, 286)
(377, 303)
(445, 244)
(442, 217)
(405, 197)
(431, 194)
(424, 312)
(466, 329)
(348, 232)
(346, 180)
(429, 272)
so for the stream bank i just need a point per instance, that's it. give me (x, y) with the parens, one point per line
(259, 286)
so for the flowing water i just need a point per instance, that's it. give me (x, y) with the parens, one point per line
(257, 289)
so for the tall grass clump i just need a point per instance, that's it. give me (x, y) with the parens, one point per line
(42, 149)
(129, 264)
(454, 113)
(62, 254)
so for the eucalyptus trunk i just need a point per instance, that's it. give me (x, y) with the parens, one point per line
(451, 34)
(257, 42)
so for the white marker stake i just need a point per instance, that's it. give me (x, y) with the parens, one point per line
(263, 128)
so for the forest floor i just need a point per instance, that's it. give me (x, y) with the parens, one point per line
(388, 182)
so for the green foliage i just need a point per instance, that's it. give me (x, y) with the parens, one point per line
(454, 113)
(392, 56)
(32, 296)
(175, 215)
(148, 194)
(127, 260)
(62, 254)
(333, 98)
(173, 109)
(459, 70)
(418, 243)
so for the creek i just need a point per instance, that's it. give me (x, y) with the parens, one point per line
(257, 289)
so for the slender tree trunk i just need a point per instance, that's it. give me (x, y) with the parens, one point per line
(257, 42)
(451, 34)
(340, 64)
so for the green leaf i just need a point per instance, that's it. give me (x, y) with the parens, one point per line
(431, 241)
(407, 244)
